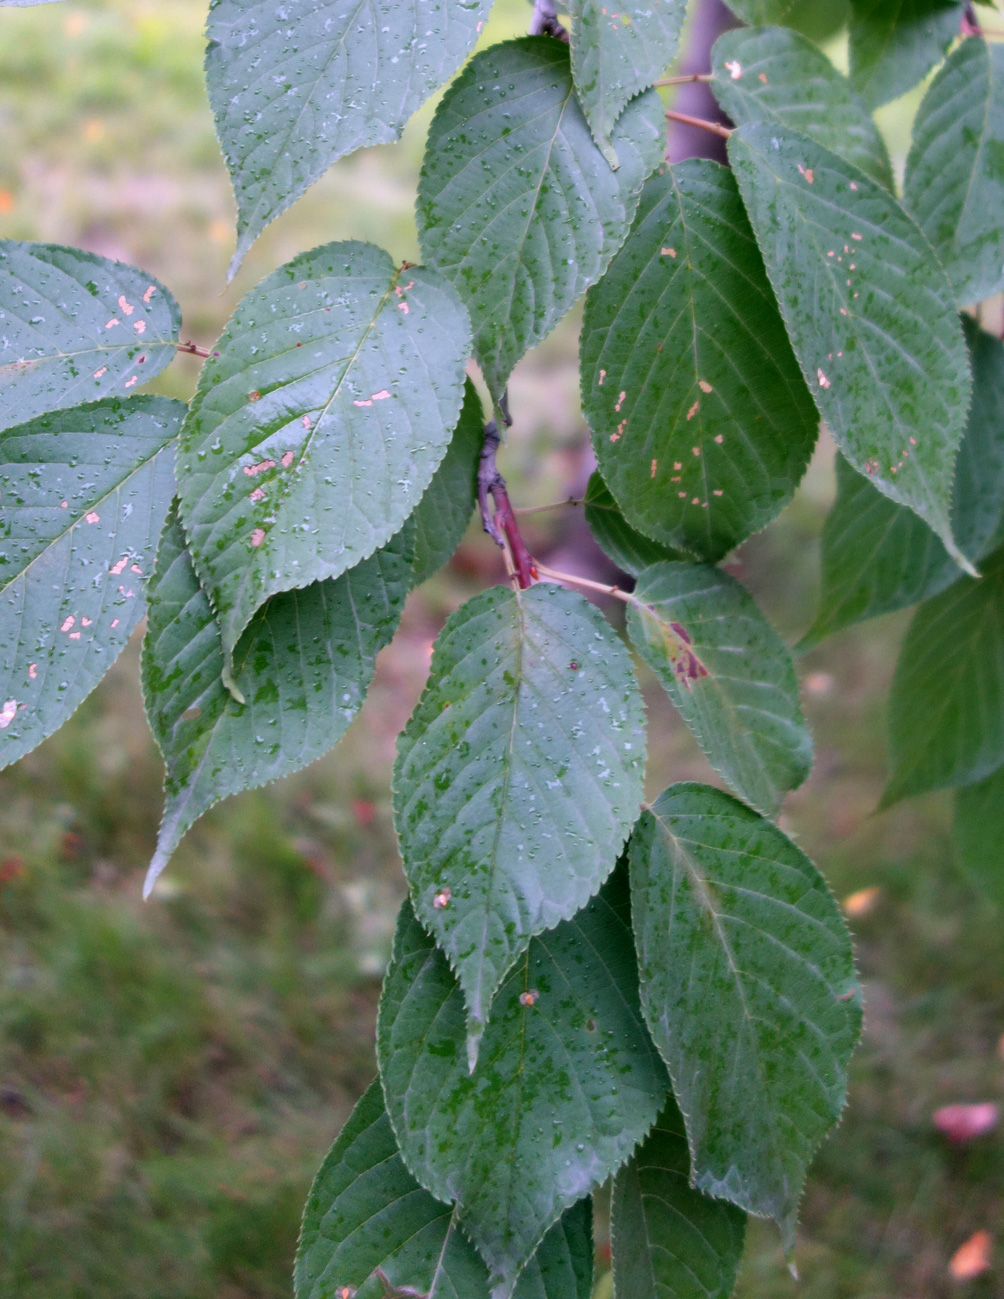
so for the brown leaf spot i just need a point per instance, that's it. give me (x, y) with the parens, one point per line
(361, 403)
(693, 410)
(287, 459)
(86, 622)
(151, 290)
(823, 381)
(129, 383)
(655, 466)
(119, 566)
(442, 899)
(68, 623)
(8, 713)
(92, 517)
(125, 306)
(74, 635)
(529, 998)
(256, 494)
(254, 396)
(382, 395)
(251, 470)
(112, 323)
(704, 385)
(603, 375)
(99, 373)
(257, 537)
(762, 76)
(669, 252)
(32, 671)
(620, 401)
(735, 69)
(139, 326)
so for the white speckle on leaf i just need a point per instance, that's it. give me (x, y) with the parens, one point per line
(98, 373)
(823, 381)
(382, 395)
(8, 713)
(735, 69)
(32, 671)
(129, 383)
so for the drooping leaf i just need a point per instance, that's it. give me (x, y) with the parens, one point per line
(516, 204)
(954, 182)
(292, 90)
(318, 423)
(878, 556)
(667, 1240)
(444, 511)
(869, 312)
(366, 1212)
(946, 703)
(979, 835)
(617, 53)
(701, 421)
(729, 674)
(566, 1085)
(83, 498)
(748, 989)
(75, 327)
(772, 74)
(303, 666)
(615, 536)
(518, 776)
(895, 43)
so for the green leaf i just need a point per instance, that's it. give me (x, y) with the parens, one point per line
(728, 673)
(749, 991)
(979, 835)
(292, 90)
(444, 511)
(772, 74)
(302, 666)
(366, 1212)
(616, 54)
(895, 43)
(946, 704)
(516, 204)
(566, 1086)
(615, 536)
(954, 182)
(518, 776)
(318, 423)
(667, 1240)
(85, 492)
(701, 422)
(759, 13)
(878, 556)
(869, 313)
(75, 327)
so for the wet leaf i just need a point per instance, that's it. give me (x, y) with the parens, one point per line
(365, 1211)
(516, 204)
(773, 74)
(615, 536)
(895, 43)
(869, 313)
(978, 833)
(292, 90)
(758, 13)
(85, 492)
(566, 1085)
(728, 673)
(75, 327)
(700, 419)
(749, 991)
(954, 182)
(445, 510)
(669, 1241)
(517, 778)
(318, 423)
(303, 666)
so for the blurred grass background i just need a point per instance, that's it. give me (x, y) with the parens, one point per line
(172, 1074)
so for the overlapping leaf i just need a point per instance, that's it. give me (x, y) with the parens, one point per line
(748, 989)
(75, 327)
(618, 52)
(444, 511)
(517, 778)
(729, 674)
(761, 12)
(292, 90)
(954, 182)
(566, 1085)
(895, 43)
(979, 835)
(878, 556)
(516, 204)
(869, 312)
(773, 74)
(366, 1213)
(627, 547)
(84, 495)
(318, 423)
(701, 421)
(302, 666)
(667, 1240)
(946, 704)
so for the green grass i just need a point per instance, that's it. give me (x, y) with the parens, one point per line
(171, 1074)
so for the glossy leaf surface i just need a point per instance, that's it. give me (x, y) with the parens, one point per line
(869, 312)
(729, 675)
(749, 991)
(75, 327)
(85, 492)
(627, 547)
(895, 43)
(954, 182)
(518, 776)
(516, 204)
(979, 835)
(701, 421)
(445, 510)
(566, 1085)
(366, 1212)
(292, 90)
(303, 667)
(318, 423)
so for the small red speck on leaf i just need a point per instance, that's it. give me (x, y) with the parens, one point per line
(529, 998)
(442, 899)
(254, 396)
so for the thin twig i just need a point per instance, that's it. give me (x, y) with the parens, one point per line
(555, 505)
(685, 80)
(715, 128)
(192, 349)
(545, 21)
(500, 523)
(573, 579)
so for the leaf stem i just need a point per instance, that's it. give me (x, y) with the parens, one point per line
(715, 128)
(554, 505)
(685, 79)
(572, 579)
(192, 349)
(500, 523)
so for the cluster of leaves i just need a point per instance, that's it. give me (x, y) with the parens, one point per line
(576, 993)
